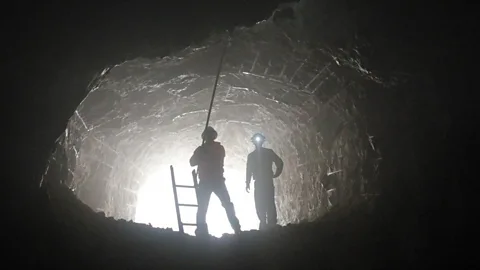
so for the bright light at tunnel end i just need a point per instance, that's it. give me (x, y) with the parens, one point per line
(156, 205)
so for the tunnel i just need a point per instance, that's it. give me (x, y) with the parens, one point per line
(143, 115)
(343, 125)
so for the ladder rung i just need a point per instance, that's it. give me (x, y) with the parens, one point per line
(183, 186)
(186, 204)
(189, 224)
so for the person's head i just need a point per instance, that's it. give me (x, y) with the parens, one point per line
(209, 134)
(258, 139)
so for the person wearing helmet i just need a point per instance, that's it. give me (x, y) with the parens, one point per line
(209, 158)
(260, 167)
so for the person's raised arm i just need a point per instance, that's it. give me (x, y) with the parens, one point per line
(278, 163)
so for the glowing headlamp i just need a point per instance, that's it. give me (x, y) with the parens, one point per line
(258, 138)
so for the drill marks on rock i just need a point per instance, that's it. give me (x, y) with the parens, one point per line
(255, 61)
(325, 68)
(295, 73)
(81, 120)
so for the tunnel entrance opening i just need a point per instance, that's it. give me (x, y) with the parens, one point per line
(146, 114)
(155, 202)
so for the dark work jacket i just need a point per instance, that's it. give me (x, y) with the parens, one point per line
(259, 165)
(209, 158)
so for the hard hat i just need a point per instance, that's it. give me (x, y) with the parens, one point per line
(209, 133)
(258, 138)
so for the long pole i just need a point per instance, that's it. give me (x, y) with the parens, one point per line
(194, 174)
(215, 86)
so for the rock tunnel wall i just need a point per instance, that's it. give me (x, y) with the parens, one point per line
(304, 99)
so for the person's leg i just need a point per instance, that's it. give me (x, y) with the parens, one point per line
(260, 205)
(204, 193)
(270, 206)
(222, 194)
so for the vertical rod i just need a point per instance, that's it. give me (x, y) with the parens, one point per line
(177, 208)
(215, 86)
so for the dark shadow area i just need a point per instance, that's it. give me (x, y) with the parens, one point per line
(399, 67)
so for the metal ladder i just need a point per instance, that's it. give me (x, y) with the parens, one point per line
(177, 204)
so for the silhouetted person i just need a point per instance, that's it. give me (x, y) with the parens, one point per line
(209, 157)
(259, 166)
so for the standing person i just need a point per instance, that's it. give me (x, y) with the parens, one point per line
(259, 166)
(209, 158)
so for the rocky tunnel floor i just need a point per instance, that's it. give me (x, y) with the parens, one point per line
(90, 240)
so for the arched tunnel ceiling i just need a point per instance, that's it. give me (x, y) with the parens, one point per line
(303, 98)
